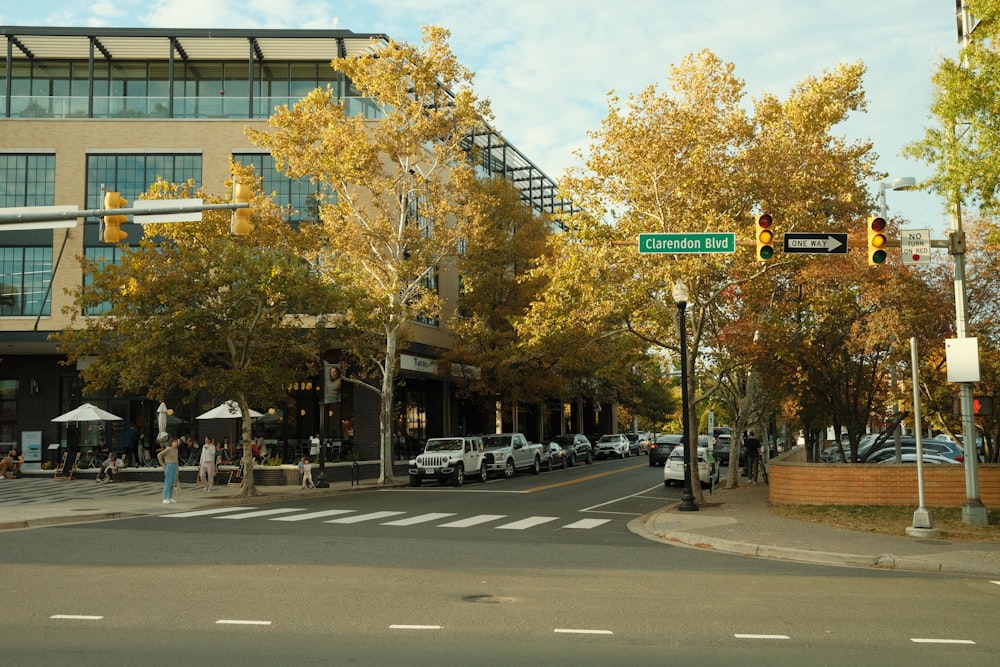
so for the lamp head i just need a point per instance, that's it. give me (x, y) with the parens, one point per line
(680, 293)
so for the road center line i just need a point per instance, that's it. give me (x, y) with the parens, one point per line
(581, 479)
(395, 626)
(919, 640)
(77, 617)
(741, 636)
(581, 631)
(231, 621)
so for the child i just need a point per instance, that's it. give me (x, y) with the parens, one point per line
(307, 476)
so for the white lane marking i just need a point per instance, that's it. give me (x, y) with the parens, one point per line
(740, 636)
(919, 640)
(473, 521)
(77, 617)
(233, 621)
(995, 582)
(420, 518)
(414, 627)
(611, 502)
(311, 515)
(371, 516)
(260, 513)
(217, 510)
(580, 631)
(527, 523)
(586, 524)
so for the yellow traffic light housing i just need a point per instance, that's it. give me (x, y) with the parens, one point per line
(113, 223)
(240, 225)
(764, 237)
(876, 240)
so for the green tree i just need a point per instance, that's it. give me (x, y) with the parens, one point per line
(695, 160)
(193, 310)
(402, 183)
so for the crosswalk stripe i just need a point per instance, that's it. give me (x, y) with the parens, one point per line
(420, 518)
(364, 517)
(473, 521)
(216, 510)
(527, 523)
(260, 513)
(311, 515)
(586, 524)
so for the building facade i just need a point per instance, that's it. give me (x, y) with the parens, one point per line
(83, 109)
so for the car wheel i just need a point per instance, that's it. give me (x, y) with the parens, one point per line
(571, 461)
(414, 480)
(652, 463)
(666, 483)
(536, 467)
(458, 477)
(483, 473)
(589, 459)
(548, 465)
(509, 470)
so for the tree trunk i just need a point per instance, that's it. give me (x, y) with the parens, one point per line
(247, 488)
(385, 418)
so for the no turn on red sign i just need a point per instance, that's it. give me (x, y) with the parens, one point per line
(915, 246)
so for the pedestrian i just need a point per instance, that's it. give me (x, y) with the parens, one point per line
(168, 457)
(207, 464)
(752, 445)
(307, 477)
(10, 465)
(314, 443)
(109, 468)
(130, 445)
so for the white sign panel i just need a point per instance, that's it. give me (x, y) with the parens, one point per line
(12, 214)
(915, 246)
(962, 357)
(156, 215)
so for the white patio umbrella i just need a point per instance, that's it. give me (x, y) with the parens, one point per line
(161, 421)
(87, 412)
(227, 410)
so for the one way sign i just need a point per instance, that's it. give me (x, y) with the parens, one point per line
(816, 243)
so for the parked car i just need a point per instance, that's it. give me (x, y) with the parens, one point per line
(723, 445)
(553, 456)
(612, 445)
(578, 448)
(908, 445)
(645, 441)
(911, 457)
(662, 446)
(634, 448)
(673, 471)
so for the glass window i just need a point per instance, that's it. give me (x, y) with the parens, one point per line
(300, 194)
(27, 180)
(131, 175)
(25, 274)
(9, 431)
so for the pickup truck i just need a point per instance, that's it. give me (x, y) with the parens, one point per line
(507, 453)
(449, 460)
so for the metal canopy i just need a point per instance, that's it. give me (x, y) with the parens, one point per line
(120, 44)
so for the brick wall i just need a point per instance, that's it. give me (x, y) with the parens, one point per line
(794, 482)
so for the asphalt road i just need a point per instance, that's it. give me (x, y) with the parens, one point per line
(390, 582)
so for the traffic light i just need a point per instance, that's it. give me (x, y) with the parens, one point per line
(240, 225)
(764, 238)
(113, 223)
(876, 240)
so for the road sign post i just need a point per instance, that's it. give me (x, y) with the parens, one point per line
(687, 243)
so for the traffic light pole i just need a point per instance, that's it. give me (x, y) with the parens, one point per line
(46, 216)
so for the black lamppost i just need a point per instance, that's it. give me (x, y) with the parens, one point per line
(680, 294)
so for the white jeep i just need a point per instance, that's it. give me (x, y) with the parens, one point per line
(449, 460)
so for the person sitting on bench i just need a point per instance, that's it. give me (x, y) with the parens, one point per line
(109, 468)
(10, 465)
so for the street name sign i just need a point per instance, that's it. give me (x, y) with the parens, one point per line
(915, 246)
(818, 243)
(689, 243)
(166, 210)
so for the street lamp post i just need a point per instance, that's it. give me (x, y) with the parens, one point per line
(680, 294)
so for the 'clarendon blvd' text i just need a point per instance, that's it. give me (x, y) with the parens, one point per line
(687, 243)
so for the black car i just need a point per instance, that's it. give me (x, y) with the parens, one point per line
(662, 445)
(578, 448)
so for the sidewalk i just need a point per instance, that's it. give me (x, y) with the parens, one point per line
(737, 521)
(734, 521)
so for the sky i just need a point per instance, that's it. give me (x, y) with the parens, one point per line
(547, 67)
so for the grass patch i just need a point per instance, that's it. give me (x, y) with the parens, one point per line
(893, 520)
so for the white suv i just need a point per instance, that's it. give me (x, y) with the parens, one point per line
(612, 444)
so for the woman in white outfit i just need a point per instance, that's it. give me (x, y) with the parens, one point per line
(207, 463)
